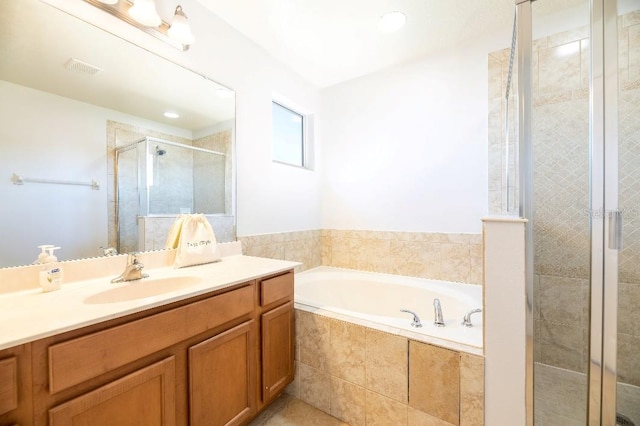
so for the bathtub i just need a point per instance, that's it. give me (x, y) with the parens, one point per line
(374, 300)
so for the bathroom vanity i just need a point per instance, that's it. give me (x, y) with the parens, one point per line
(216, 354)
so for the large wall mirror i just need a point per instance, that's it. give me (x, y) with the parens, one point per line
(89, 160)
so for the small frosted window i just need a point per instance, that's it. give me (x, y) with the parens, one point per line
(288, 136)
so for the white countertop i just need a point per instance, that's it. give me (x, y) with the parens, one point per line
(29, 315)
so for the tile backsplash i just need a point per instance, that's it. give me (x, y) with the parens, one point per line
(449, 257)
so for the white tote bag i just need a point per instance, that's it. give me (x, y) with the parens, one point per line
(197, 243)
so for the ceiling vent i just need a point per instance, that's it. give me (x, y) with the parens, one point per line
(83, 67)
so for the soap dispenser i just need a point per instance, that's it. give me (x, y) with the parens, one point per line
(42, 257)
(51, 272)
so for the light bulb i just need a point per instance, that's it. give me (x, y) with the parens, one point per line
(144, 12)
(108, 1)
(180, 30)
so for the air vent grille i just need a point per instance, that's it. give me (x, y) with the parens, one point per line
(83, 67)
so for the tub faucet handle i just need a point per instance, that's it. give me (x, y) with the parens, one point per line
(466, 321)
(416, 320)
(437, 313)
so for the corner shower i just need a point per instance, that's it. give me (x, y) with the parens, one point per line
(157, 179)
(576, 132)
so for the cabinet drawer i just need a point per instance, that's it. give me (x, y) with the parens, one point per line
(276, 288)
(81, 359)
(8, 385)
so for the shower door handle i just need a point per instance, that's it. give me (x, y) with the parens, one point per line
(615, 230)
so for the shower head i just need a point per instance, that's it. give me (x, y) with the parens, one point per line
(160, 151)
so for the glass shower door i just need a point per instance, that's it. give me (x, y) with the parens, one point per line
(628, 190)
(560, 140)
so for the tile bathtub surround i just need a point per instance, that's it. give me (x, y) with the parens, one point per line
(299, 246)
(362, 376)
(449, 257)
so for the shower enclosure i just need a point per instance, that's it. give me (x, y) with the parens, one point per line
(565, 154)
(158, 179)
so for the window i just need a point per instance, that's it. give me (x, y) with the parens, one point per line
(289, 136)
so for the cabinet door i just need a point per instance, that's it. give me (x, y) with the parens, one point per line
(145, 397)
(222, 378)
(277, 350)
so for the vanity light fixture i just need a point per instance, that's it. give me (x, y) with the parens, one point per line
(145, 13)
(142, 14)
(180, 30)
(170, 114)
(391, 21)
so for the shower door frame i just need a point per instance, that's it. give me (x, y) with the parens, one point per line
(605, 217)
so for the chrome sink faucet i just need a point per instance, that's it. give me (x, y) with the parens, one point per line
(132, 271)
(437, 313)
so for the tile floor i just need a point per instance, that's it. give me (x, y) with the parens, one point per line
(290, 411)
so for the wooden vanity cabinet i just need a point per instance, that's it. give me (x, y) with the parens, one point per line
(212, 360)
(15, 386)
(222, 377)
(277, 335)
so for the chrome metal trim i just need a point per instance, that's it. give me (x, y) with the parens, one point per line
(615, 230)
(610, 314)
(525, 107)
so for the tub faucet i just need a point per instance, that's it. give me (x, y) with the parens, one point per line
(466, 321)
(416, 320)
(132, 271)
(437, 312)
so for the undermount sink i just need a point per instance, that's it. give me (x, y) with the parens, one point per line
(139, 289)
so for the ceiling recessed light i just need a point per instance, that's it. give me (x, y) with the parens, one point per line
(391, 21)
(169, 114)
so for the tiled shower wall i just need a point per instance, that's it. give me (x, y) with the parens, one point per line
(561, 191)
(185, 179)
(449, 257)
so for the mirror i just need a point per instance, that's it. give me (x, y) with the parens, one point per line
(72, 95)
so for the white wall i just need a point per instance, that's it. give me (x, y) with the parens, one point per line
(406, 149)
(271, 197)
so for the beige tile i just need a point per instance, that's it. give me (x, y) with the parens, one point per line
(315, 387)
(293, 388)
(562, 345)
(476, 259)
(456, 263)
(627, 398)
(471, 390)
(347, 402)
(628, 312)
(387, 365)
(420, 418)
(313, 338)
(370, 254)
(628, 359)
(341, 252)
(561, 300)
(634, 55)
(560, 394)
(559, 68)
(384, 411)
(434, 381)
(347, 352)
(326, 249)
(415, 258)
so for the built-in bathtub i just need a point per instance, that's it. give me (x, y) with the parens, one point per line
(374, 300)
(359, 359)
